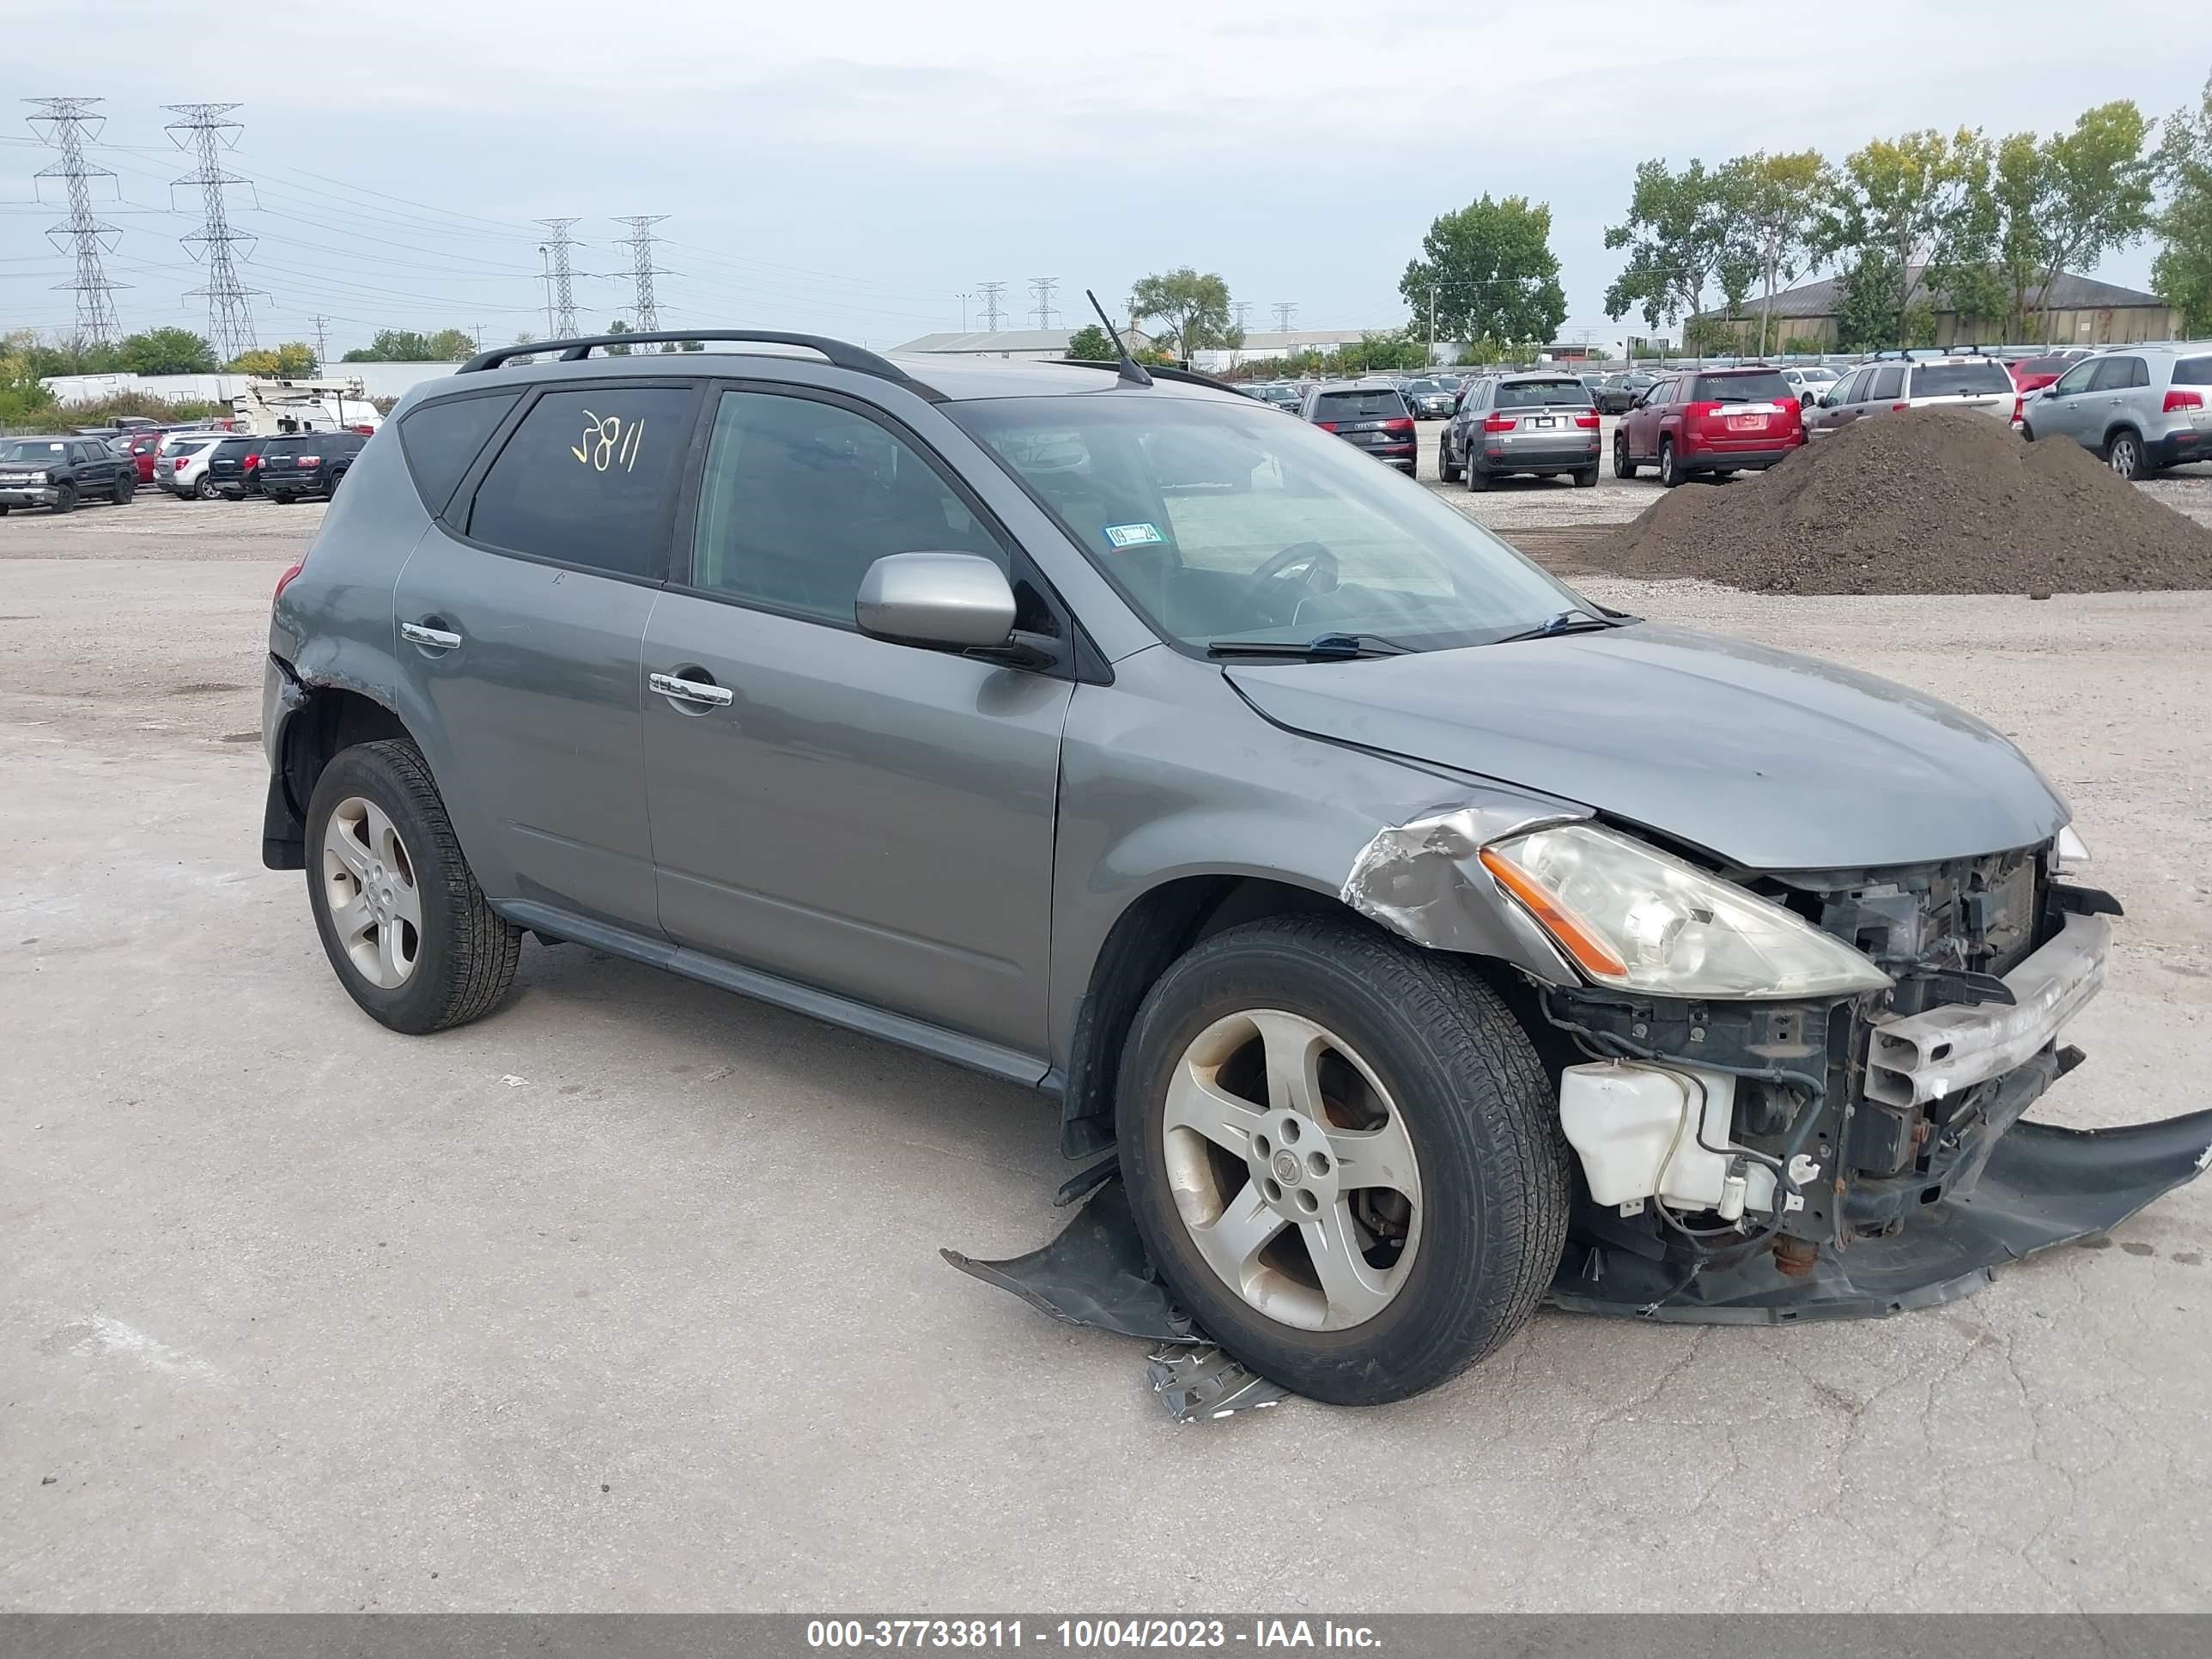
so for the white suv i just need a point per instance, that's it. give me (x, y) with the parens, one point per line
(181, 467)
(1893, 385)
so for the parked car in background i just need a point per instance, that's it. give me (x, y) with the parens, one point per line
(1713, 422)
(61, 473)
(183, 468)
(1541, 423)
(1892, 385)
(2140, 408)
(1429, 399)
(1282, 396)
(306, 464)
(143, 446)
(1370, 415)
(2034, 373)
(1810, 380)
(234, 467)
(1620, 391)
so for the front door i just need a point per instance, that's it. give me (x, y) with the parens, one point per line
(872, 819)
(2059, 412)
(521, 619)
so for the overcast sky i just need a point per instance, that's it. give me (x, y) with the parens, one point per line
(853, 168)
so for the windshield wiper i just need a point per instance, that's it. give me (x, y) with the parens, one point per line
(1567, 621)
(1322, 647)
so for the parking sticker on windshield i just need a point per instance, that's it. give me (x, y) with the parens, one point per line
(1133, 535)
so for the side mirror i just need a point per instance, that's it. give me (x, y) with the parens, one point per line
(952, 601)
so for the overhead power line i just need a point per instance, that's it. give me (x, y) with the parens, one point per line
(230, 313)
(67, 123)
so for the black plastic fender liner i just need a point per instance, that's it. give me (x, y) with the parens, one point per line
(2042, 1186)
(1096, 1273)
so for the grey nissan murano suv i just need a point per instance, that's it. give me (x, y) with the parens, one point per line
(1424, 939)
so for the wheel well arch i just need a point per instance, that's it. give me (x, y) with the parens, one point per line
(1155, 929)
(326, 721)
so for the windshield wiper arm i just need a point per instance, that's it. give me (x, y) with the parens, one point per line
(1567, 621)
(1321, 647)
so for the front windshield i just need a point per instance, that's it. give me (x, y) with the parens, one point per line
(30, 449)
(1220, 523)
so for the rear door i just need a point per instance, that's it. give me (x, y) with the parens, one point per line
(870, 818)
(521, 617)
(2120, 395)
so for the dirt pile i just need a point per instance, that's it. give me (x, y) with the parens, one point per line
(1935, 501)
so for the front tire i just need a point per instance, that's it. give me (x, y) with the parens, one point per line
(65, 500)
(1623, 467)
(1669, 473)
(406, 928)
(1344, 1157)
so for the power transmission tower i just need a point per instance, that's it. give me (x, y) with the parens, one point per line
(1041, 290)
(991, 315)
(1284, 310)
(560, 295)
(67, 123)
(642, 270)
(322, 344)
(1244, 310)
(230, 317)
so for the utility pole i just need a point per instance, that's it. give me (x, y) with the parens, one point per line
(991, 315)
(230, 314)
(1284, 311)
(963, 298)
(560, 295)
(1433, 326)
(67, 124)
(322, 344)
(1041, 290)
(641, 268)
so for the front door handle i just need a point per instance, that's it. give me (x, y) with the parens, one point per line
(430, 638)
(696, 691)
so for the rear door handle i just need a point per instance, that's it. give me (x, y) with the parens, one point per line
(697, 691)
(430, 639)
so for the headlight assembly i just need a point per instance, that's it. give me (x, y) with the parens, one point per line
(1631, 916)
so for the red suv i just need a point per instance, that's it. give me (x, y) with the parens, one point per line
(143, 446)
(1713, 421)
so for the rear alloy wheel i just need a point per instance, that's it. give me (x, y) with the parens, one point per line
(401, 917)
(1623, 467)
(205, 489)
(2123, 455)
(1344, 1157)
(1669, 474)
(1477, 479)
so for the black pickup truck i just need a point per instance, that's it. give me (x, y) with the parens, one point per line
(60, 472)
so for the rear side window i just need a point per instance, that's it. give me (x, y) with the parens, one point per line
(1959, 380)
(587, 477)
(441, 441)
(2193, 371)
(1888, 382)
(1536, 394)
(1767, 388)
(2118, 373)
(1378, 406)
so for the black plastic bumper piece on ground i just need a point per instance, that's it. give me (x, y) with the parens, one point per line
(2043, 1186)
(1096, 1272)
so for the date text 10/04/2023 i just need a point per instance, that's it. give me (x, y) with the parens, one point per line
(1087, 1635)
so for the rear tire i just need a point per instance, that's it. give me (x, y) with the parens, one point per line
(1669, 473)
(1586, 478)
(408, 932)
(1477, 480)
(205, 491)
(2123, 453)
(1463, 1099)
(1446, 473)
(1623, 467)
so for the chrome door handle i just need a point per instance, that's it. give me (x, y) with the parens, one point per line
(431, 639)
(698, 691)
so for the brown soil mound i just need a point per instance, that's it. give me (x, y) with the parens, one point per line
(1935, 501)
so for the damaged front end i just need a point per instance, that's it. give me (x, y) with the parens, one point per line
(1853, 1155)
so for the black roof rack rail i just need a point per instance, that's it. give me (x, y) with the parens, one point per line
(840, 353)
(1188, 376)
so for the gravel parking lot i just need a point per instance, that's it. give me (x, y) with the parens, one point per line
(629, 1297)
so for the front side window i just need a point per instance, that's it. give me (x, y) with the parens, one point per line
(1218, 523)
(587, 477)
(800, 497)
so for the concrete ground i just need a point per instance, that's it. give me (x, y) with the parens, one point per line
(629, 1297)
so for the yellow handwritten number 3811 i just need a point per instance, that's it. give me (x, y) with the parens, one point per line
(609, 444)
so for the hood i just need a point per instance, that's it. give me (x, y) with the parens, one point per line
(1769, 760)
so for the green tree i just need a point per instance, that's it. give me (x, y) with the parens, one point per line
(166, 351)
(1923, 203)
(393, 345)
(2065, 202)
(1488, 271)
(22, 397)
(2182, 273)
(452, 345)
(1771, 200)
(1682, 235)
(293, 361)
(1193, 307)
(1089, 344)
(618, 326)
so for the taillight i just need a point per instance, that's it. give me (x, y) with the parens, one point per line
(1397, 426)
(310, 461)
(1325, 426)
(1587, 419)
(252, 461)
(285, 580)
(2019, 407)
(2178, 400)
(1500, 423)
(1898, 409)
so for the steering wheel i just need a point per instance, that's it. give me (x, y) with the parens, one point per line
(1319, 573)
